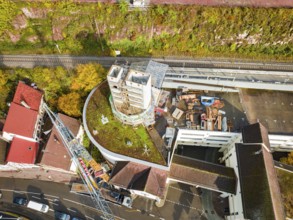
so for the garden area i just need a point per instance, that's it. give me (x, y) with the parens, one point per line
(116, 137)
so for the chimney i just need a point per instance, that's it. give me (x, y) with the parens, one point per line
(25, 104)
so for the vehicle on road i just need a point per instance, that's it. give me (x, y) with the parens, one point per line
(20, 201)
(61, 216)
(38, 206)
(127, 201)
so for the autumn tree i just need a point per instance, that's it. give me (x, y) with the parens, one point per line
(87, 77)
(4, 90)
(288, 160)
(8, 11)
(70, 104)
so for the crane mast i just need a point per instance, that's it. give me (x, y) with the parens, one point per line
(80, 156)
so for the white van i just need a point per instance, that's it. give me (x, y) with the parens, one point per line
(38, 206)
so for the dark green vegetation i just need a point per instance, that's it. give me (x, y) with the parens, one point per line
(99, 29)
(114, 135)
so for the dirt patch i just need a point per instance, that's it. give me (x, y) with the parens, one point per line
(19, 22)
(34, 12)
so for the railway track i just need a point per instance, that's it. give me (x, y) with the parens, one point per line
(68, 61)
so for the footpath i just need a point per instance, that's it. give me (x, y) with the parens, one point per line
(40, 173)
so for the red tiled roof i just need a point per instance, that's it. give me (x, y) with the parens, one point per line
(22, 151)
(55, 153)
(31, 96)
(20, 121)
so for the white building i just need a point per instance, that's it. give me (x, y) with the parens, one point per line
(132, 99)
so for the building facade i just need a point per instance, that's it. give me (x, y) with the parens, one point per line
(131, 96)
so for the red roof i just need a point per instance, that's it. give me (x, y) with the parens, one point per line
(20, 121)
(22, 151)
(32, 97)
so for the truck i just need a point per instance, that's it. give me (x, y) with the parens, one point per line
(79, 188)
(116, 197)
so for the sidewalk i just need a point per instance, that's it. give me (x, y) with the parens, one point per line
(41, 174)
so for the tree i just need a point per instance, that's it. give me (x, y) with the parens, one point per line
(8, 11)
(87, 77)
(4, 91)
(288, 160)
(70, 104)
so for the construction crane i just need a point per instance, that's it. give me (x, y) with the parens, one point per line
(80, 156)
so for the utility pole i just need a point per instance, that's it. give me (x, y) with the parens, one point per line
(57, 46)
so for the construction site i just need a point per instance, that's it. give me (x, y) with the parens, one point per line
(185, 121)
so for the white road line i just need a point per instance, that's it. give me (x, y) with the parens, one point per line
(51, 210)
(176, 203)
(71, 210)
(185, 191)
(89, 207)
(21, 192)
(36, 197)
(51, 196)
(89, 217)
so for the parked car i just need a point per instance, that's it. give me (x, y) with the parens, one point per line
(61, 216)
(20, 201)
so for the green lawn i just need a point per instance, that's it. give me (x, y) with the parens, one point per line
(114, 135)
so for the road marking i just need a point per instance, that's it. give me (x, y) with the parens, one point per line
(21, 192)
(71, 210)
(36, 197)
(51, 210)
(89, 217)
(51, 196)
(176, 203)
(152, 215)
(89, 207)
(184, 191)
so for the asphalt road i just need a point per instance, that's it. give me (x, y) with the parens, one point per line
(68, 61)
(182, 202)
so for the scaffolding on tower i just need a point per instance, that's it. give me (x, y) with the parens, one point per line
(80, 158)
